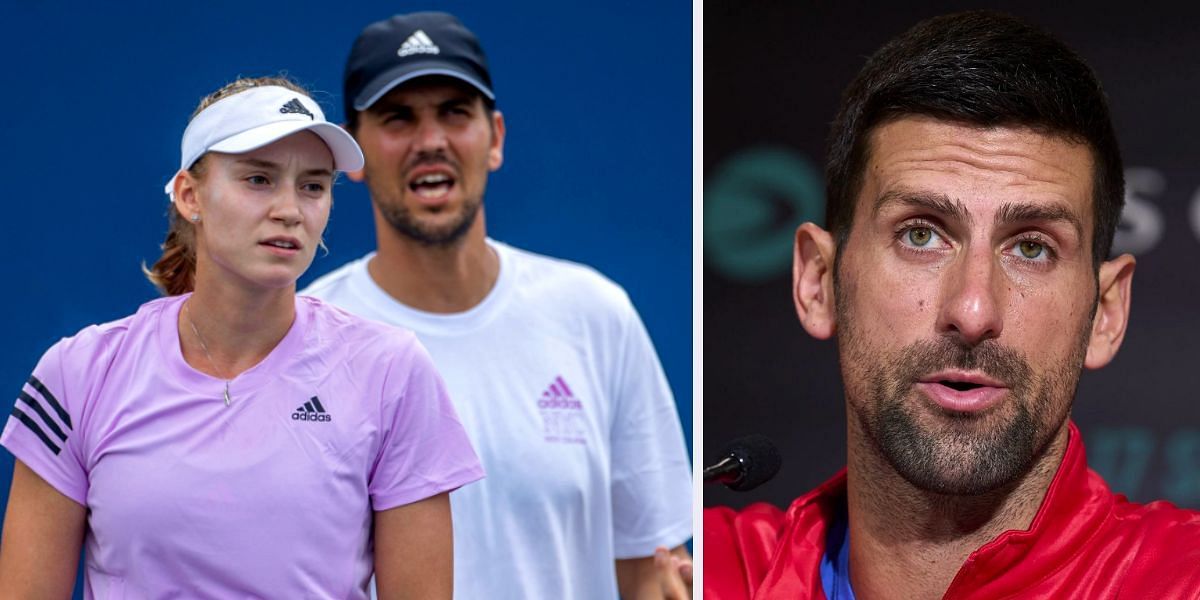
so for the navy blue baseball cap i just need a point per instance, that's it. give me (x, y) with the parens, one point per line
(390, 52)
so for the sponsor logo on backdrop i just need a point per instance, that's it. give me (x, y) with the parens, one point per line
(1145, 466)
(1141, 226)
(753, 203)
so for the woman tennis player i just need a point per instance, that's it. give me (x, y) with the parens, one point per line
(231, 439)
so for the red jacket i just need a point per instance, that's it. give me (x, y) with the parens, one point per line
(1084, 542)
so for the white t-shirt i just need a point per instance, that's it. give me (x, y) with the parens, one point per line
(268, 497)
(560, 390)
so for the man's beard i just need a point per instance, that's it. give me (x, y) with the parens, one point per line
(966, 458)
(402, 220)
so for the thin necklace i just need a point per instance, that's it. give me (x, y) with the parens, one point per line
(203, 346)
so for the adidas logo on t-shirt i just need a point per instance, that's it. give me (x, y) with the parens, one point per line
(311, 411)
(418, 43)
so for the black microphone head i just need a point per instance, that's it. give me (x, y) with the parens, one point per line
(759, 457)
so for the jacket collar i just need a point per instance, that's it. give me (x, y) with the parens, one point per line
(1075, 504)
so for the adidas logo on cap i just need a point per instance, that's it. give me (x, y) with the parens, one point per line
(312, 411)
(418, 43)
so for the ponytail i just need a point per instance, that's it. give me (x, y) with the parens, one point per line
(175, 271)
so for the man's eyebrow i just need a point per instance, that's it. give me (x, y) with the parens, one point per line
(463, 100)
(1008, 214)
(932, 202)
(1023, 213)
(385, 105)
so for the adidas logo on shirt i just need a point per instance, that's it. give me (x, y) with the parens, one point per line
(418, 43)
(563, 419)
(558, 395)
(312, 411)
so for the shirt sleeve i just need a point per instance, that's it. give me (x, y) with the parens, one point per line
(424, 450)
(42, 428)
(651, 488)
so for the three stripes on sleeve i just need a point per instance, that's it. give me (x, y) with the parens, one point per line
(47, 423)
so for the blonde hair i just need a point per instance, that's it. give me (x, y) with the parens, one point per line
(174, 272)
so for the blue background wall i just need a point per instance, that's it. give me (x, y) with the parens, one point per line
(95, 97)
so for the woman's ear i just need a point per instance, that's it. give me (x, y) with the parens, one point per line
(185, 197)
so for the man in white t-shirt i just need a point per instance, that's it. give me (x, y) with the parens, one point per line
(550, 369)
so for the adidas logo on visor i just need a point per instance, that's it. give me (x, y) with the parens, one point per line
(294, 106)
(418, 43)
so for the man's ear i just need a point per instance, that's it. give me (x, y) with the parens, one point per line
(496, 151)
(1112, 311)
(812, 280)
(355, 176)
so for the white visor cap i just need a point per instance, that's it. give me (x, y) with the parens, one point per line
(260, 116)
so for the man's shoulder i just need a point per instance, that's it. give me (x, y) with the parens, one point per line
(821, 504)
(1159, 528)
(1162, 543)
(740, 546)
(542, 274)
(1152, 549)
(761, 518)
(1157, 522)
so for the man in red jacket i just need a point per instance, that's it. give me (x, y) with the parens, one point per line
(974, 186)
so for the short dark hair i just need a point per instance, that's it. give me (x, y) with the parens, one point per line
(979, 68)
(489, 104)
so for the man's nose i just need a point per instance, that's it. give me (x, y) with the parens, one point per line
(431, 135)
(973, 297)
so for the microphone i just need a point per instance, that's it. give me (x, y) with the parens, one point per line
(747, 463)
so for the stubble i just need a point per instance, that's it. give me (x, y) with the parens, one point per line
(943, 452)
